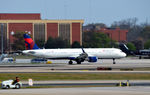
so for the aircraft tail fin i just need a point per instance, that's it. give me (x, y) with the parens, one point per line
(29, 43)
(124, 48)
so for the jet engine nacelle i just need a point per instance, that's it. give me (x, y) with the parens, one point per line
(92, 59)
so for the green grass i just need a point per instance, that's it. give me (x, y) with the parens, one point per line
(136, 69)
(25, 57)
(74, 76)
(142, 69)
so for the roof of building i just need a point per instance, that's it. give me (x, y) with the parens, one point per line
(20, 16)
(30, 18)
(42, 21)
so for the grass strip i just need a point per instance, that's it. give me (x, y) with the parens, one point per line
(24, 57)
(75, 76)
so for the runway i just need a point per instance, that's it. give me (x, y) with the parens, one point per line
(129, 63)
(80, 91)
(130, 60)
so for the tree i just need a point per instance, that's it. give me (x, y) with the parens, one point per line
(19, 41)
(94, 26)
(131, 25)
(131, 46)
(96, 40)
(75, 44)
(146, 33)
(49, 43)
(56, 43)
(125, 24)
(147, 44)
(40, 43)
(138, 43)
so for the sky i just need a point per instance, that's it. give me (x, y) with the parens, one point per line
(91, 11)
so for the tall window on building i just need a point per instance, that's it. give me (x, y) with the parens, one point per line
(3, 27)
(39, 31)
(64, 31)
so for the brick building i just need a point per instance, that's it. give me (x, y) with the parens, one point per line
(116, 34)
(38, 28)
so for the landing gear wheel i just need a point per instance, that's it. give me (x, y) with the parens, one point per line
(78, 62)
(7, 87)
(17, 86)
(70, 62)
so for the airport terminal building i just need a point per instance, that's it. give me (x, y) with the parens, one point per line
(38, 28)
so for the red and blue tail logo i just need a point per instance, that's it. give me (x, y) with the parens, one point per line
(29, 43)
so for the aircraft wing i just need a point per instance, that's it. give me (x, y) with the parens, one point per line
(81, 56)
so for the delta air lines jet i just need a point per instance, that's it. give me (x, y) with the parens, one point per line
(79, 54)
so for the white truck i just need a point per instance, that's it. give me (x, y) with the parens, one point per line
(9, 84)
(8, 60)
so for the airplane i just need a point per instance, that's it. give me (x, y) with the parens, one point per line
(79, 54)
(138, 53)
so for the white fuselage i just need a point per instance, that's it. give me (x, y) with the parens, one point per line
(101, 53)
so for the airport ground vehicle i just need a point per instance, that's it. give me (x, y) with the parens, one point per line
(9, 84)
(8, 60)
(38, 60)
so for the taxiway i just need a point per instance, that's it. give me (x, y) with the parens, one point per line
(80, 91)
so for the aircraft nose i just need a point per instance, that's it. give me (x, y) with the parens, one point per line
(123, 54)
(24, 52)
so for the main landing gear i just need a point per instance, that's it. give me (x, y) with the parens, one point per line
(78, 62)
(71, 62)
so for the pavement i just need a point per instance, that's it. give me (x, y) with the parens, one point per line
(83, 68)
(80, 91)
(89, 83)
(62, 66)
(86, 81)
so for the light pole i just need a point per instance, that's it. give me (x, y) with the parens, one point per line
(10, 44)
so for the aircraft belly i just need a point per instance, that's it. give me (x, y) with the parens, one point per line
(57, 56)
(106, 56)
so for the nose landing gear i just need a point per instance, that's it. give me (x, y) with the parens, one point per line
(114, 61)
